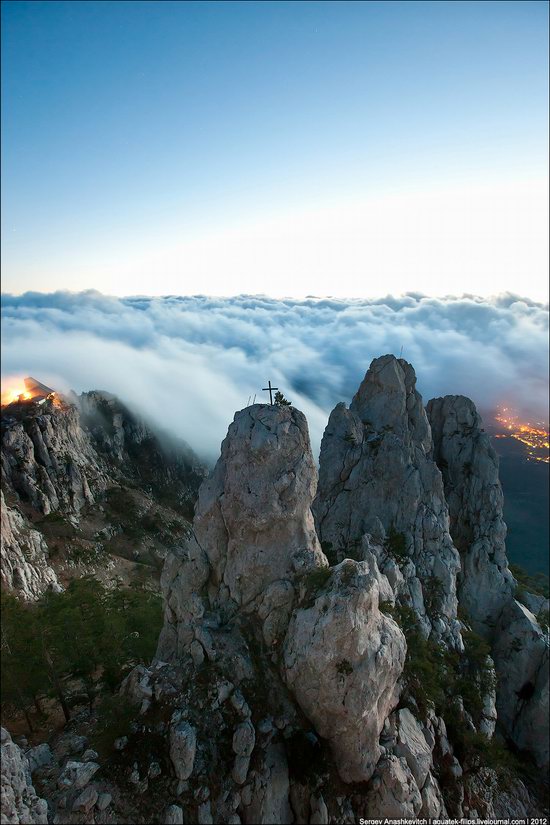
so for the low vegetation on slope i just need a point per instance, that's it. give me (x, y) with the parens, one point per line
(87, 634)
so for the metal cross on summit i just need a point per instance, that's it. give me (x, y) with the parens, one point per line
(270, 389)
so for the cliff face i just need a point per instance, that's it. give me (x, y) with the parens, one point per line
(25, 568)
(48, 460)
(73, 472)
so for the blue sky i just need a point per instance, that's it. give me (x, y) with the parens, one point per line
(156, 147)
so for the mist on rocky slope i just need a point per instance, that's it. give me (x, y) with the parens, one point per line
(189, 362)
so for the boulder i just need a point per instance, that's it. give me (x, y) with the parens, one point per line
(393, 793)
(86, 800)
(39, 757)
(103, 801)
(183, 744)
(173, 815)
(342, 660)
(267, 800)
(77, 774)
(521, 660)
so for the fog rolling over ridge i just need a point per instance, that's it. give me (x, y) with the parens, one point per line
(189, 362)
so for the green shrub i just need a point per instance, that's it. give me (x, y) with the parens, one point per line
(281, 401)
(425, 670)
(433, 596)
(114, 716)
(395, 546)
(313, 582)
(344, 667)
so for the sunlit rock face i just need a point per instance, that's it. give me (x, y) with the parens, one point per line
(377, 476)
(48, 459)
(469, 466)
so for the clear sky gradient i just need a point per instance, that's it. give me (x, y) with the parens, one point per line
(351, 149)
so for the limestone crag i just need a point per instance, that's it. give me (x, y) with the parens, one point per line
(48, 459)
(312, 666)
(162, 465)
(377, 476)
(469, 466)
(253, 516)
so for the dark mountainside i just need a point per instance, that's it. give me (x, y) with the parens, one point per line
(88, 487)
(336, 644)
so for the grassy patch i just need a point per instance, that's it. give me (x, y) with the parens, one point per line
(313, 582)
(537, 583)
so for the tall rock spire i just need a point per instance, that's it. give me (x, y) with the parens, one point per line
(377, 476)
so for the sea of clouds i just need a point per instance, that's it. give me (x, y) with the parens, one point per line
(189, 363)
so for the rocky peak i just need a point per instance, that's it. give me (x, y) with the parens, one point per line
(253, 527)
(388, 400)
(252, 590)
(74, 470)
(377, 477)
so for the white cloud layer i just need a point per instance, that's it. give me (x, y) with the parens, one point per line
(189, 362)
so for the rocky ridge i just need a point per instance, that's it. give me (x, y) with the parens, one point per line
(295, 653)
(306, 624)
